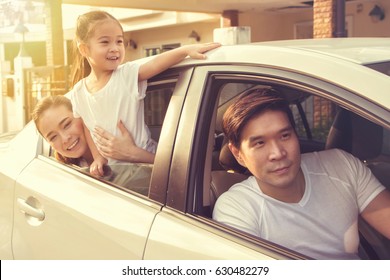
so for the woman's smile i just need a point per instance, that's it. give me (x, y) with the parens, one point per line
(73, 144)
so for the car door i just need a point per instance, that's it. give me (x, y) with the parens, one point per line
(185, 225)
(61, 213)
(175, 233)
(15, 157)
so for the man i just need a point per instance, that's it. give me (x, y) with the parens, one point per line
(309, 203)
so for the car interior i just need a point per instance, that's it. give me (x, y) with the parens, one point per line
(348, 131)
(226, 170)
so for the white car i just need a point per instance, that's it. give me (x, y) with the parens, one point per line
(50, 210)
(5, 139)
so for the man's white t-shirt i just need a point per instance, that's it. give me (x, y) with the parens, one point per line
(323, 224)
(122, 98)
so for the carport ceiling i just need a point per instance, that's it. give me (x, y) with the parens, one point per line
(204, 6)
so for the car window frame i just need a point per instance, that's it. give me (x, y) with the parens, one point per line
(185, 191)
(160, 175)
(341, 96)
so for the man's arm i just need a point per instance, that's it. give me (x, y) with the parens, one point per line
(377, 213)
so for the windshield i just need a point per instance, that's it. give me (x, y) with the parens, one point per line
(383, 67)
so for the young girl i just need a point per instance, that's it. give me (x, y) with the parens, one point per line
(107, 91)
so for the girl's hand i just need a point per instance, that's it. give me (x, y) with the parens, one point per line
(97, 167)
(165, 60)
(197, 51)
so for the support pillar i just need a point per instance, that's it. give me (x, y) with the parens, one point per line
(55, 55)
(230, 32)
(54, 33)
(229, 18)
(21, 62)
(325, 18)
(328, 22)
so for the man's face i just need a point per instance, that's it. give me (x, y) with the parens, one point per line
(270, 150)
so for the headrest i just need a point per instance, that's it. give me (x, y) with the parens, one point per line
(356, 135)
(228, 161)
(340, 133)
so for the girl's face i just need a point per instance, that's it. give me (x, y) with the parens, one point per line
(63, 132)
(105, 49)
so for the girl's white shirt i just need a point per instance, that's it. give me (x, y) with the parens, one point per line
(122, 98)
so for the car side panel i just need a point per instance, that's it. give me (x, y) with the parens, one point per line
(6, 215)
(175, 236)
(74, 216)
(17, 154)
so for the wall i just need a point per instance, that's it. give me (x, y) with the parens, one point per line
(363, 26)
(168, 35)
(265, 26)
(36, 50)
(283, 23)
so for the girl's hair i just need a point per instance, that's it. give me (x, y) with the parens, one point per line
(45, 104)
(85, 27)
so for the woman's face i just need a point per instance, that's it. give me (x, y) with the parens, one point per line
(63, 132)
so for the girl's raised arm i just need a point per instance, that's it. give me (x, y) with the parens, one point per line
(165, 60)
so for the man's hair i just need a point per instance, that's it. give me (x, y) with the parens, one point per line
(249, 105)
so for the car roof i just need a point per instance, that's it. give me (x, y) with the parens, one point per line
(357, 50)
(338, 60)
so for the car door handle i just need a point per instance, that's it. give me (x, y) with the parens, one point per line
(26, 208)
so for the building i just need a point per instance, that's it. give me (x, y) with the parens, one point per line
(40, 67)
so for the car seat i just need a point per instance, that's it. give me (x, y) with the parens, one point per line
(232, 173)
(363, 139)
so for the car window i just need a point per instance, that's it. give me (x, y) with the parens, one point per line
(314, 116)
(136, 177)
(314, 119)
(383, 67)
(386, 142)
(156, 104)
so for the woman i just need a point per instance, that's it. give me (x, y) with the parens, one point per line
(53, 117)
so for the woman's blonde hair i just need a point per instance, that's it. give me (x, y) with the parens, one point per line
(85, 27)
(45, 104)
